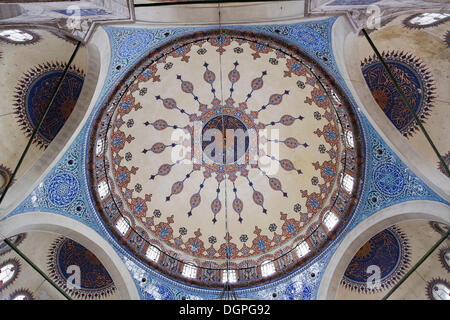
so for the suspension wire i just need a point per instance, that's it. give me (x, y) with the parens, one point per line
(425, 256)
(405, 100)
(228, 292)
(22, 157)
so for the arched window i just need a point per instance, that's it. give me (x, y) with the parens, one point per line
(335, 97)
(440, 291)
(8, 272)
(122, 225)
(21, 294)
(347, 183)
(349, 139)
(153, 253)
(267, 268)
(302, 249)
(99, 147)
(229, 276)
(103, 189)
(426, 19)
(330, 220)
(189, 270)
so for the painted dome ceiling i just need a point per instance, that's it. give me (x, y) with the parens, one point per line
(226, 145)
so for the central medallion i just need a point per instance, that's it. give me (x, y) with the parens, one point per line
(224, 139)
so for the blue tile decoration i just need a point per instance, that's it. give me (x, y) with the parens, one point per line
(304, 282)
(134, 44)
(389, 179)
(62, 189)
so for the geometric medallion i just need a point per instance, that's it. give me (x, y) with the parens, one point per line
(389, 179)
(62, 189)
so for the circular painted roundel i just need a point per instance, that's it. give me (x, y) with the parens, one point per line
(414, 78)
(215, 134)
(62, 189)
(389, 179)
(223, 145)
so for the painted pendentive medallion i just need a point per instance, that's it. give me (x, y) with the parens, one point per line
(95, 281)
(415, 81)
(33, 93)
(389, 250)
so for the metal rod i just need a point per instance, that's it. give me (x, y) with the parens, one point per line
(41, 120)
(405, 100)
(406, 276)
(35, 267)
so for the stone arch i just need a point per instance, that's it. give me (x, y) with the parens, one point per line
(98, 56)
(365, 230)
(86, 236)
